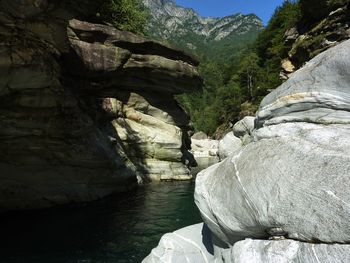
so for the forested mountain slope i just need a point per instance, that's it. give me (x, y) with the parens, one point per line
(214, 38)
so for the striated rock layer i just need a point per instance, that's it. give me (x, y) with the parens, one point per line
(85, 108)
(195, 244)
(294, 175)
(291, 179)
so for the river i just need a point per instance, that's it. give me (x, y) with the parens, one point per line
(120, 229)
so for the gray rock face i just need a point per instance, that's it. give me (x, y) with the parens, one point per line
(288, 251)
(317, 93)
(196, 244)
(244, 127)
(228, 145)
(191, 244)
(294, 175)
(149, 130)
(85, 108)
(247, 195)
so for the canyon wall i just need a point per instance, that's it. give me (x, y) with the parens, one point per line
(86, 110)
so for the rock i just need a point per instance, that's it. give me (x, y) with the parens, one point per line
(294, 174)
(205, 153)
(317, 93)
(25, 8)
(291, 35)
(244, 127)
(149, 131)
(196, 244)
(284, 197)
(200, 136)
(86, 109)
(287, 67)
(126, 57)
(262, 251)
(277, 190)
(190, 244)
(228, 145)
(321, 29)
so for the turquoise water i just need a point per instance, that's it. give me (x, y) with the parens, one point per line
(120, 229)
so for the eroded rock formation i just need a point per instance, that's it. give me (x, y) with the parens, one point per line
(290, 184)
(85, 108)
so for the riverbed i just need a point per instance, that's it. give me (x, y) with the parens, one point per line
(119, 229)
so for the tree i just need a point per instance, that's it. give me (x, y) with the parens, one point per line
(249, 74)
(125, 14)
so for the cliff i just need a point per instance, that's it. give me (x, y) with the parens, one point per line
(86, 110)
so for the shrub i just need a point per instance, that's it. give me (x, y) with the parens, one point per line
(124, 14)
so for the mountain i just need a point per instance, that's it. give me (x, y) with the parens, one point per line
(204, 36)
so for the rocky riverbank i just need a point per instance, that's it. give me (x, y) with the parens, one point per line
(86, 110)
(284, 196)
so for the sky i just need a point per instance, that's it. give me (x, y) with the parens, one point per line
(219, 8)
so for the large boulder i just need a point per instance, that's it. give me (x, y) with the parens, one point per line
(292, 180)
(288, 251)
(229, 145)
(318, 93)
(191, 244)
(195, 244)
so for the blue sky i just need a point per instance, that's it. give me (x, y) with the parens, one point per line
(219, 8)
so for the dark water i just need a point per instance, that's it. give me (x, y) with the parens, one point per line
(119, 229)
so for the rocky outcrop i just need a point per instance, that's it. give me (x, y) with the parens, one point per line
(320, 29)
(85, 108)
(205, 152)
(195, 244)
(229, 145)
(261, 251)
(191, 244)
(291, 182)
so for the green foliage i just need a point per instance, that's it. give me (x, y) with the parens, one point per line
(124, 14)
(237, 87)
(270, 45)
(315, 10)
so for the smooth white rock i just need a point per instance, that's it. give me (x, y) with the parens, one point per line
(228, 145)
(295, 177)
(288, 251)
(188, 245)
(319, 92)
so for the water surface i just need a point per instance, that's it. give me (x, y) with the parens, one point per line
(120, 229)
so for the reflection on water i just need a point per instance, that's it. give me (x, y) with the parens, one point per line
(120, 229)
